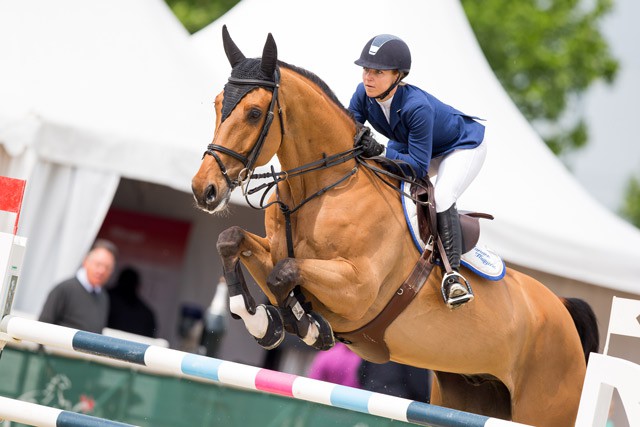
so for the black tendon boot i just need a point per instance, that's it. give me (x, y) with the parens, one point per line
(455, 288)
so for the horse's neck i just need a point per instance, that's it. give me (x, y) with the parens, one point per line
(315, 127)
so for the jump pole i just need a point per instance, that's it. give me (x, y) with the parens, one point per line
(38, 415)
(182, 364)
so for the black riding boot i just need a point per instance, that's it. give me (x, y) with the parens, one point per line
(455, 288)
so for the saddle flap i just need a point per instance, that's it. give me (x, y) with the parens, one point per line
(469, 221)
(470, 226)
(425, 210)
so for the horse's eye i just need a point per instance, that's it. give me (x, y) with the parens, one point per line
(254, 115)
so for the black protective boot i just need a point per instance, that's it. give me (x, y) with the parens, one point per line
(455, 288)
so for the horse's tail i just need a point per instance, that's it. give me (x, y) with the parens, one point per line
(586, 324)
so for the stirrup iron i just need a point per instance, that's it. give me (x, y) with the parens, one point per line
(460, 291)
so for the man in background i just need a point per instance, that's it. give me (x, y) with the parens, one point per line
(80, 302)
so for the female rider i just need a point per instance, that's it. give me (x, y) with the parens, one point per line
(434, 138)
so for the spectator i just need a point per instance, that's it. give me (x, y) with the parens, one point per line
(80, 301)
(339, 365)
(396, 379)
(127, 311)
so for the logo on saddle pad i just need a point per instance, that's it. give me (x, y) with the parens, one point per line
(480, 260)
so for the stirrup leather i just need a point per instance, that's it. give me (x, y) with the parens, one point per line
(460, 291)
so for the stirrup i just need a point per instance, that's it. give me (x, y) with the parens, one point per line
(460, 291)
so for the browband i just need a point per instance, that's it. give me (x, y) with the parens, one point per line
(237, 81)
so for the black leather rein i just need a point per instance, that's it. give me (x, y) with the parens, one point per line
(249, 161)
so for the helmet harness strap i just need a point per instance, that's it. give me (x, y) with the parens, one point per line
(384, 94)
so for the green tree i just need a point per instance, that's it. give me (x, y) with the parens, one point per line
(197, 14)
(631, 207)
(545, 53)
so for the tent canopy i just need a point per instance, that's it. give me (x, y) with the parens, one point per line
(544, 219)
(106, 85)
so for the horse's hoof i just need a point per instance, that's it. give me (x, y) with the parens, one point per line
(283, 278)
(325, 338)
(274, 335)
(229, 242)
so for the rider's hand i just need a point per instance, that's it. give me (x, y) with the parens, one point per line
(370, 147)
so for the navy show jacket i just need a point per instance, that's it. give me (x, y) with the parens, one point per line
(421, 126)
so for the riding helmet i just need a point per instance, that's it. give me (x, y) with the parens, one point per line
(386, 52)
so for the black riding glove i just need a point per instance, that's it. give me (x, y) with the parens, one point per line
(370, 147)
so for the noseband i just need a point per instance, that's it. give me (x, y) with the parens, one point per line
(249, 161)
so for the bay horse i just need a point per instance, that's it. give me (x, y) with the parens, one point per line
(336, 235)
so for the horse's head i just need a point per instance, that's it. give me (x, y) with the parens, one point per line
(245, 110)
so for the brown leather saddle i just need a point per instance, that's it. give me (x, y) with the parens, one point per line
(469, 221)
(369, 339)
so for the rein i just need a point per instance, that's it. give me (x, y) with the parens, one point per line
(277, 177)
(325, 163)
(246, 175)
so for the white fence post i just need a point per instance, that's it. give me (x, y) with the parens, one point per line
(604, 373)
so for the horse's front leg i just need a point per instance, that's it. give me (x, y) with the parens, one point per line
(332, 282)
(298, 317)
(264, 322)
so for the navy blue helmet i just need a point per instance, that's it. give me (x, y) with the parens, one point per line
(386, 52)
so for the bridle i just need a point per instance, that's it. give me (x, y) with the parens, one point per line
(249, 161)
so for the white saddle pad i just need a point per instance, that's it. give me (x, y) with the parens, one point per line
(481, 260)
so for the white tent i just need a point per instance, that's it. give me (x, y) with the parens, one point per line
(544, 220)
(92, 91)
(95, 91)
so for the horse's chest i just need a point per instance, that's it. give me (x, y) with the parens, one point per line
(305, 246)
(314, 243)
(315, 232)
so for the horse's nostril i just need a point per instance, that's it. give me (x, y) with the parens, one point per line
(210, 194)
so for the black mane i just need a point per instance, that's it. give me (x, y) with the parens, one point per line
(318, 81)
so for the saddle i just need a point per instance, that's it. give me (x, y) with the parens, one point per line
(427, 225)
(369, 338)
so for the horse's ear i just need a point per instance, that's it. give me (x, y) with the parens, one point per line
(269, 56)
(233, 53)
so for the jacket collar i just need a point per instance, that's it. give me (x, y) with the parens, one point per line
(396, 106)
(375, 111)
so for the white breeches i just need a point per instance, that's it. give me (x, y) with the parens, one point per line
(455, 172)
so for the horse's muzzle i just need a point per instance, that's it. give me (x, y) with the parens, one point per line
(209, 199)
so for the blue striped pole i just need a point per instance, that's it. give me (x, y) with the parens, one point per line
(38, 415)
(177, 363)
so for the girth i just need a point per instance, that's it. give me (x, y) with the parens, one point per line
(369, 339)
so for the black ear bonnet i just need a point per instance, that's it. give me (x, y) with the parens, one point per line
(246, 69)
